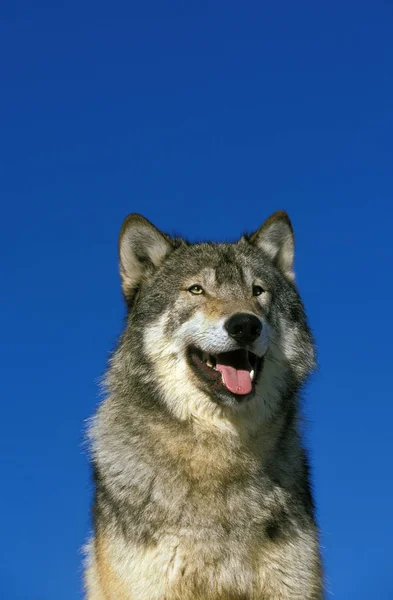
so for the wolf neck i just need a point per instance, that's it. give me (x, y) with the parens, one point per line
(242, 424)
(200, 449)
(146, 456)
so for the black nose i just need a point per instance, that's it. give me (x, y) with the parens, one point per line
(243, 327)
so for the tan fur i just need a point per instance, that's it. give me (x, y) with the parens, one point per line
(216, 308)
(166, 572)
(102, 581)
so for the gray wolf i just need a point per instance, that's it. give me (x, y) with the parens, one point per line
(202, 484)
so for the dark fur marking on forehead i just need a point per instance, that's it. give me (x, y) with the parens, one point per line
(229, 269)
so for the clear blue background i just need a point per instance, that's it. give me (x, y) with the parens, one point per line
(206, 117)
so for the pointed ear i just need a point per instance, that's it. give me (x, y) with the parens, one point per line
(142, 248)
(276, 239)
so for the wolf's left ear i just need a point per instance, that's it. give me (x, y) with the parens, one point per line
(276, 239)
(142, 248)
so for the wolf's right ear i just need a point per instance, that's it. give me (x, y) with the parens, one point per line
(142, 248)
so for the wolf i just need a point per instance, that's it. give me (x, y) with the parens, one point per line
(202, 485)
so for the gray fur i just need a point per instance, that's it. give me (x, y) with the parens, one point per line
(198, 496)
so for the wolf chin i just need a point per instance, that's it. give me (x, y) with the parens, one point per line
(201, 481)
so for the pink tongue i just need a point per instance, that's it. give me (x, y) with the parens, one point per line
(238, 381)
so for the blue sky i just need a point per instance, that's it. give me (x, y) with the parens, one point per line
(205, 117)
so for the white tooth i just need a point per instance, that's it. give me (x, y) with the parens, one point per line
(209, 363)
(252, 374)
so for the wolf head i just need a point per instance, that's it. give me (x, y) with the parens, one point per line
(212, 329)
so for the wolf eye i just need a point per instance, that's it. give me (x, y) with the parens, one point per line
(257, 290)
(196, 290)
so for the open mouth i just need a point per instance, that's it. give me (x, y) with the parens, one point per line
(234, 371)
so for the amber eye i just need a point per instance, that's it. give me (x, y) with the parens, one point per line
(196, 290)
(257, 290)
